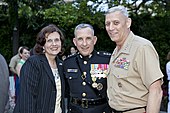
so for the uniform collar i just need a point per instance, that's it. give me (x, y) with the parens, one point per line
(87, 57)
(126, 46)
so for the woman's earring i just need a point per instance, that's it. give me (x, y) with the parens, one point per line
(43, 50)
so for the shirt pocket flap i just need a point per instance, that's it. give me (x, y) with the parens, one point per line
(119, 72)
(71, 75)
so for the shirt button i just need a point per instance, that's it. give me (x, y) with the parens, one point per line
(119, 84)
(83, 94)
(83, 83)
(85, 73)
(85, 62)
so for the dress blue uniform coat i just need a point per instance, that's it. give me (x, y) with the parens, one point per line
(74, 66)
(37, 86)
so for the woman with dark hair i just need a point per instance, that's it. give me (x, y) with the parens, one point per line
(41, 77)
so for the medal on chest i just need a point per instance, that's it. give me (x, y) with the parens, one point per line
(98, 71)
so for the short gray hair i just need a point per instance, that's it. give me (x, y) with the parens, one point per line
(122, 9)
(83, 25)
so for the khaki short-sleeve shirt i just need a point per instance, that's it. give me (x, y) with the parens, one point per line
(14, 61)
(131, 71)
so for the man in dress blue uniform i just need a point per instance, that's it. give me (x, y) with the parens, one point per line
(86, 74)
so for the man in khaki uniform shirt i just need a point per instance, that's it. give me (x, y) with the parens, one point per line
(135, 78)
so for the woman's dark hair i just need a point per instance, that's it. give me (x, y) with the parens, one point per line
(41, 37)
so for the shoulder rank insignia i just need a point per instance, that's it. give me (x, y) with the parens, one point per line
(102, 53)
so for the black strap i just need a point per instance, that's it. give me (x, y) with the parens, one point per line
(97, 92)
(89, 101)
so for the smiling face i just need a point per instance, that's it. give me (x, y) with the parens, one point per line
(53, 44)
(73, 50)
(85, 41)
(25, 54)
(117, 26)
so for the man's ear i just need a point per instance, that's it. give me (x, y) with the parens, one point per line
(95, 39)
(74, 41)
(128, 22)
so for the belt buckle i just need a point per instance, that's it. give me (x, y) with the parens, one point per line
(84, 103)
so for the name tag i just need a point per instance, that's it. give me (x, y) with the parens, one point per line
(72, 70)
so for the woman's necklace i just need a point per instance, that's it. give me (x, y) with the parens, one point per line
(55, 73)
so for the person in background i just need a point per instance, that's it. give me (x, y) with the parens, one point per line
(42, 85)
(73, 51)
(168, 74)
(134, 76)
(63, 57)
(4, 83)
(13, 72)
(14, 60)
(32, 51)
(25, 54)
(86, 73)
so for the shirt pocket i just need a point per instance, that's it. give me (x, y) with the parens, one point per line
(72, 79)
(119, 72)
(71, 75)
(120, 67)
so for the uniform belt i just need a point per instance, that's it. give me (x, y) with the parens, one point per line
(85, 103)
(115, 111)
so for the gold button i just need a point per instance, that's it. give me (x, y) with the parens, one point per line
(83, 94)
(119, 84)
(83, 83)
(85, 62)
